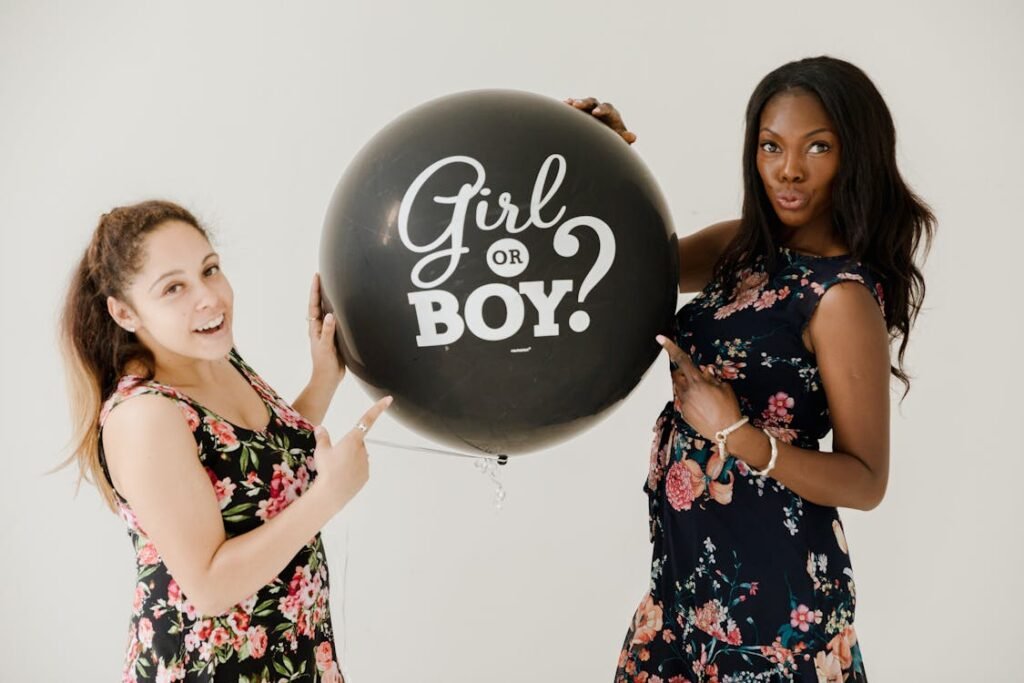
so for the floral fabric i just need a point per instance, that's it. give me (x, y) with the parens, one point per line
(749, 581)
(283, 631)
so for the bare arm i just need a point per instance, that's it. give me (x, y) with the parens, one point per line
(850, 339)
(328, 368)
(313, 402)
(153, 461)
(699, 252)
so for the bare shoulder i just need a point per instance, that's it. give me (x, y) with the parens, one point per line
(849, 318)
(142, 435)
(700, 251)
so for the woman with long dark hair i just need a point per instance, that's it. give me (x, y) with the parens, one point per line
(223, 484)
(787, 338)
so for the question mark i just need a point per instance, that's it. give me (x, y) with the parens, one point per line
(567, 245)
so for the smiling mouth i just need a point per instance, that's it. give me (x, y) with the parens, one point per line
(220, 320)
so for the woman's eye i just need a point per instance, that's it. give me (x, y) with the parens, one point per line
(172, 289)
(769, 146)
(213, 268)
(819, 147)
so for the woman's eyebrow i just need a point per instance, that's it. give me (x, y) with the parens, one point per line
(813, 132)
(179, 270)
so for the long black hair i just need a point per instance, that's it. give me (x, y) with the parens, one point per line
(874, 213)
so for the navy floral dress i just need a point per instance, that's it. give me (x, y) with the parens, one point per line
(749, 581)
(283, 631)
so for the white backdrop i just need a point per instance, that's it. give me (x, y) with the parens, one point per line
(249, 112)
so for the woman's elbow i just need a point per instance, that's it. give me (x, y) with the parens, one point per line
(205, 601)
(872, 496)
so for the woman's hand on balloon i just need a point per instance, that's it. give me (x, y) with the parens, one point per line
(606, 114)
(343, 467)
(706, 402)
(327, 364)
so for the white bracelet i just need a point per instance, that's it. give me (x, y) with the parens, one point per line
(722, 435)
(775, 456)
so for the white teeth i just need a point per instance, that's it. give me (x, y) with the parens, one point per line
(213, 323)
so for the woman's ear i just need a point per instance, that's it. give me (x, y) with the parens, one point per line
(122, 313)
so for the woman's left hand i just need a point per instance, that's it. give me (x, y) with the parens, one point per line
(327, 363)
(706, 402)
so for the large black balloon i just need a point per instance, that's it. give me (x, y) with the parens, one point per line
(389, 257)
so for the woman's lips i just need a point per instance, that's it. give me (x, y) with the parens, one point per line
(791, 201)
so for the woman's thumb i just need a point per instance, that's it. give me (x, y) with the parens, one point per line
(323, 439)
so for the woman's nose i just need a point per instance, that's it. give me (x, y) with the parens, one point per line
(206, 296)
(791, 170)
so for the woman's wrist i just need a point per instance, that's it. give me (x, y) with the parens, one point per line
(750, 444)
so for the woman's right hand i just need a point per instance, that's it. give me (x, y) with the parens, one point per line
(343, 468)
(605, 113)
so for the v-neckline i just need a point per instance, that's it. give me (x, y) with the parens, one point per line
(237, 367)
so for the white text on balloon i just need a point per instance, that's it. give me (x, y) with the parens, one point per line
(439, 308)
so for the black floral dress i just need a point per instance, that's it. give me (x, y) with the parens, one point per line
(283, 631)
(749, 581)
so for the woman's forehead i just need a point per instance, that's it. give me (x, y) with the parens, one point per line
(173, 246)
(795, 110)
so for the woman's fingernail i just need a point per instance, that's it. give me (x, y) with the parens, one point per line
(661, 339)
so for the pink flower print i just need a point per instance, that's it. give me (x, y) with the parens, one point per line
(745, 293)
(683, 484)
(239, 621)
(842, 646)
(173, 593)
(222, 432)
(780, 403)
(165, 675)
(146, 633)
(828, 668)
(224, 488)
(659, 453)
(191, 416)
(850, 276)
(148, 554)
(257, 636)
(783, 434)
(290, 416)
(220, 636)
(140, 596)
(751, 281)
(647, 621)
(284, 488)
(730, 370)
(324, 656)
(721, 492)
(817, 288)
(289, 606)
(880, 293)
(766, 300)
(709, 617)
(802, 618)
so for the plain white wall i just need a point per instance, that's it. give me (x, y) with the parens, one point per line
(249, 112)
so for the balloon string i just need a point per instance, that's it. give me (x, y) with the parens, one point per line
(500, 459)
